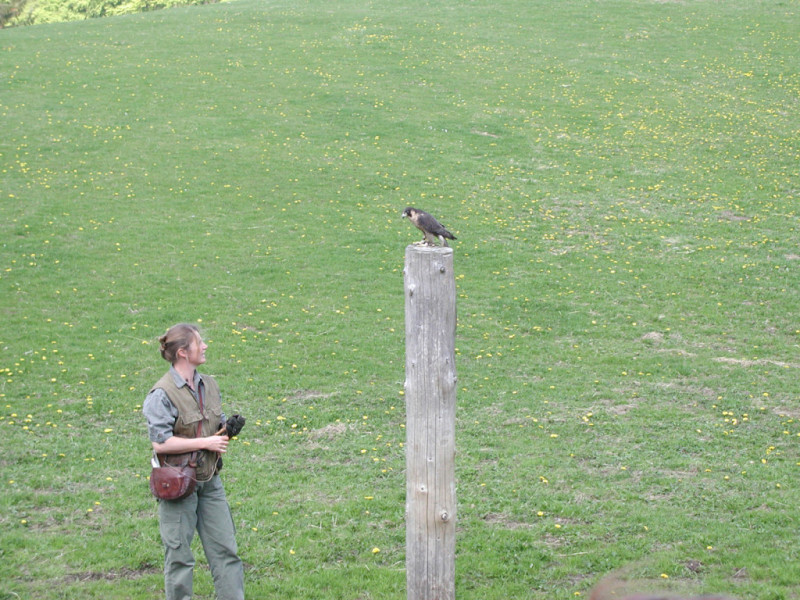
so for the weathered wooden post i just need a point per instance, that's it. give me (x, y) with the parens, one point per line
(430, 391)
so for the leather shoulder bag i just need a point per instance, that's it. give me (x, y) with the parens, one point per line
(169, 482)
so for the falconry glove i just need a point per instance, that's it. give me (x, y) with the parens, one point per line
(234, 425)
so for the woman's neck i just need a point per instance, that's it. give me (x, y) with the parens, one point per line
(185, 370)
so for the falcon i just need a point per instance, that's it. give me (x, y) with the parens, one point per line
(429, 226)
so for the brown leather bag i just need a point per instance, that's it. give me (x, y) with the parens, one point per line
(169, 482)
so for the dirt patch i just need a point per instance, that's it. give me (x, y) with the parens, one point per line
(308, 395)
(743, 362)
(505, 521)
(654, 337)
(329, 432)
(787, 412)
(727, 215)
(113, 575)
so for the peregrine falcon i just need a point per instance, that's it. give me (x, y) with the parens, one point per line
(428, 225)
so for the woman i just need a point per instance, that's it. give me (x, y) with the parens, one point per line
(184, 414)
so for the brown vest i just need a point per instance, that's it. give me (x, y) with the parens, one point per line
(189, 416)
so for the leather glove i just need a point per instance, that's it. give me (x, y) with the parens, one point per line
(234, 425)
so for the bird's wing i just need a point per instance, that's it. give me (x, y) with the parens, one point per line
(427, 222)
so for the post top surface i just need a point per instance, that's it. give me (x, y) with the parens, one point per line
(438, 249)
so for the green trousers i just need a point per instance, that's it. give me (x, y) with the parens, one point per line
(206, 511)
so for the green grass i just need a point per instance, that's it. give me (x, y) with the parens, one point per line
(622, 178)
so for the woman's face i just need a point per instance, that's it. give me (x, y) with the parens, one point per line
(196, 352)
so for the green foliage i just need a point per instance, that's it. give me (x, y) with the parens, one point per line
(9, 11)
(53, 11)
(621, 177)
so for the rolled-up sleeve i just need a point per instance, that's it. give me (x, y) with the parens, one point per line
(161, 415)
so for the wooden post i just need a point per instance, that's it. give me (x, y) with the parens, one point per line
(430, 391)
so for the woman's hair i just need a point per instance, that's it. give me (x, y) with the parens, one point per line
(178, 337)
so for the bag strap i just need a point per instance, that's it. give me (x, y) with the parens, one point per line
(193, 459)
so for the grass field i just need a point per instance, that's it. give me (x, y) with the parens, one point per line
(623, 180)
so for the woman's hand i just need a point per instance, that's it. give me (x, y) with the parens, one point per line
(217, 443)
